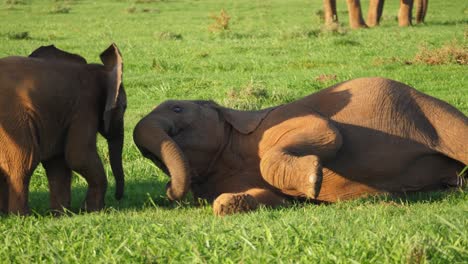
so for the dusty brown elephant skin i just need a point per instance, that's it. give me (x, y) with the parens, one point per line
(360, 137)
(374, 14)
(52, 105)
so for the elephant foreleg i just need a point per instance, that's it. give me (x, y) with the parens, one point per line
(59, 178)
(231, 203)
(293, 175)
(294, 163)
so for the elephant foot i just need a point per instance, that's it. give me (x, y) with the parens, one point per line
(23, 211)
(92, 206)
(63, 211)
(231, 203)
(310, 186)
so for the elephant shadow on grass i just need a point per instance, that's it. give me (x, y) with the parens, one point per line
(139, 195)
(142, 195)
(148, 193)
(447, 23)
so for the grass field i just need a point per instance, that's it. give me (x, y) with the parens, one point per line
(273, 52)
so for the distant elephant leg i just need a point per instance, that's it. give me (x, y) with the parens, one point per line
(405, 13)
(375, 12)
(329, 9)
(231, 203)
(81, 156)
(59, 177)
(421, 9)
(355, 14)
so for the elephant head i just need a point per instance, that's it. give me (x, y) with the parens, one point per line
(114, 101)
(184, 137)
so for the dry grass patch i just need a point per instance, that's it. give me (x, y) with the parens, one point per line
(451, 53)
(221, 22)
(247, 97)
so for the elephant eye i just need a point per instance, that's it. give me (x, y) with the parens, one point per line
(177, 109)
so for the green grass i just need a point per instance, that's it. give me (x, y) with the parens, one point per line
(274, 52)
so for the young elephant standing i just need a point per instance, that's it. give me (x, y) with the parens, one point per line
(52, 104)
(363, 136)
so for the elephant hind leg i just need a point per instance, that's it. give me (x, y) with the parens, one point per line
(3, 193)
(430, 172)
(18, 185)
(335, 188)
(231, 203)
(59, 178)
(17, 189)
(17, 164)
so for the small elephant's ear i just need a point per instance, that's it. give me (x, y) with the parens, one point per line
(52, 53)
(112, 61)
(244, 121)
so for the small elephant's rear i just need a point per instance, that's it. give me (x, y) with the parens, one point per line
(52, 105)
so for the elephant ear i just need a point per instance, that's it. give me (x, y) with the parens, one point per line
(112, 60)
(244, 121)
(52, 53)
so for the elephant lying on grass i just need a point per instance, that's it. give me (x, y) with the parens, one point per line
(360, 137)
(52, 104)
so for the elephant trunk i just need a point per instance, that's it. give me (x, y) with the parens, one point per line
(152, 138)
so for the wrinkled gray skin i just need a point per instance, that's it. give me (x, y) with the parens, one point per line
(52, 105)
(360, 137)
